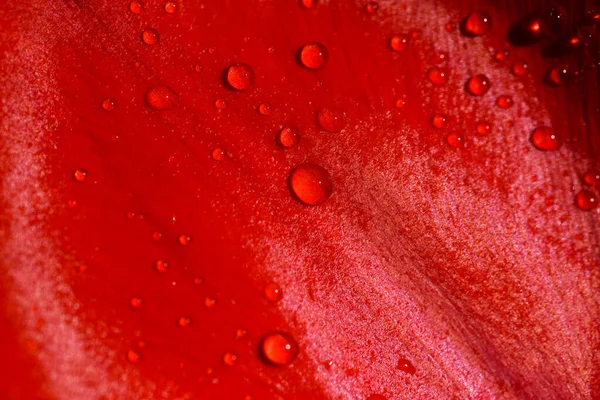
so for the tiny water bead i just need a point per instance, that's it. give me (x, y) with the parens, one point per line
(108, 105)
(398, 43)
(273, 292)
(136, 302)
(331, 119)
(406, 366)
(477, 23)
(308, 3)
(311, 184)
(483, 128)
(504, 101)
(220, 104)
(544, 138)
(240, 76)
(161, 266)
(372, 7)
(184, 240)
(80, 175)
(156, 236)
(133, 356)
(135, 7)
(264, 109)
(519, 68)
(230, 359)
(400, 103)
(557, 76)
(279, 349)
(501, 55)
(184, 322)
(161, 98)
(439, 121)
(218, 154)
(438, 76)
(586, 200)
(150, 36)
(210, 302)
(478, 85)
(287, 138)
(314, 56)
(170, 7)
(455, 140)
(591, 178)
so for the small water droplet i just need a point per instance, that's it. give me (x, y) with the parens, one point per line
(264, 109)
(455, 140)
(501, 55)
(150, 36)
(136, 302)
(198, 68)
(311, 184)
(519, 68)
(108, 105)
(161, 266)
(544, 138)
(218, 154)
(308, 3)
(273, 292)
(240, 76)
(80, 175)
(372, 7)
(287, 138)
(279, 349)
(170, 7)
(586, 200)
(210, 302)
(135, 7)
(230, 359)
(483, 128)
(504, 101)
(184, 240)
(406, 366)
(476, 23)
(438, 76)
(156, 236)
(184, 322)
(220, 104)
(240, 333)
(398, 43)
(161, 98)
(400, 103)
(591, 178)
(197, 281)
(557, 76)
(314, 56)
(331, 119)
(439, 121)
(133, 356)
(478, 85)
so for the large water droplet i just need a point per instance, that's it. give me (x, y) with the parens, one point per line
(161, 98)
(438, 76)
(478, 85)
(279, 349)
(314, 56)
(476, 23)
(287, 138)
(240, 76)
(406, 366)
(150, 36)
(331, 119)
(586, 200)
(311, 184)
(544, 138)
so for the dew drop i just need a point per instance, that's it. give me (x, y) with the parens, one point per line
(314, 56)
(406, 366)
(264, 109)
(210, 302)
(220, 104)
(544, 138)
(108, 105)
(279, 349)
(156, 236)
(198, 68)
(557, 76)
(438, 76)
(240, 76)
(483, 128)
(308, 3)
(184, 322)
(372, 7)
(218, 154)
(184, 240)
(519, 68)
(591, 178)
(240, 333)
(170, 7)
(478, 85)
(439, 121)
(287, 138)
(135, 7)
(133, 356)
(161, 98)
(455, 140)
(504, 102)
(476, 23)
(80, 175)
(230, 359)
(331, 119)
(398, 43)
(136, 302)
(311, 184)
(273, 292)
(400, 103)
(150, 36)
(501, 55)
(586, 200)
(161, 266)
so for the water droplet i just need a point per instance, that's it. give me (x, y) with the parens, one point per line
(483, 128)
(108, 105)
(264, 109)
(308, 3)
(398, 43)
(273, 292)
(170, 7)
(557, 76)
(197, 281)
(210, 302)
(314, 56)
(455, 140)
(184, 240)
(218, 154)
(519, 68)
(161, 266)
(478, 85)
(438, 76)
(501, 55)
(439, 121)
(133, 356)
(476, 23)
(372, 7)
(136, 302)
(184, 322)
(135, 7)
(586, 200)
(150, 36)
(311, 184)
(406, 366)
(198, 68)
(279, 349)
(220, 104)
(230, 359)
(544, 138)
(400, 103)
(504, 101)
(156, 236)
(331, 119)
(240, 333)
(80, 175)
(287, 138)
(161, 98)
(591, 178)
(240, 76)
(449, 27)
